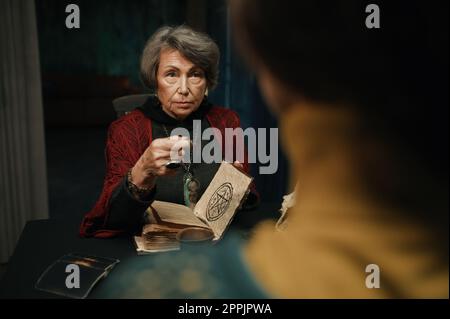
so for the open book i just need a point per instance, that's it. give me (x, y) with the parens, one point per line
(214, 211)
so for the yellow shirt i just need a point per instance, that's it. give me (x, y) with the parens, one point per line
(335, 230)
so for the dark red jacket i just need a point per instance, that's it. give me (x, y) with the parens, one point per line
(128, 138)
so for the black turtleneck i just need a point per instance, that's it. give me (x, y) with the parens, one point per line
(125, 209)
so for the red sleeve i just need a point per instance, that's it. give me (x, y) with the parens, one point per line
(127, 139)
(233, 121)
(222, 118)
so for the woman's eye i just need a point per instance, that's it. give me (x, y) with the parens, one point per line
(197, 74)
(171, 74)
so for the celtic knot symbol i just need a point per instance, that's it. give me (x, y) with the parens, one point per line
(219, 202)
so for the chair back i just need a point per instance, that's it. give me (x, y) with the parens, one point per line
(125, 104)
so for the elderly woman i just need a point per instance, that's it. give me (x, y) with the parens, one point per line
(180, 66)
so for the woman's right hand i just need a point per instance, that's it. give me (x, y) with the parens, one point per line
(152, 162)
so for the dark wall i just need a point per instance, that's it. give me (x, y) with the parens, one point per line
(110, 38)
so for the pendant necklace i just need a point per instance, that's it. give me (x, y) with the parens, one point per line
(191, 185)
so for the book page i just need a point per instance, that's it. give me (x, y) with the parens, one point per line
(158, 237)
(221, 199)
(176, 214)
(163, 224)
(155, 243)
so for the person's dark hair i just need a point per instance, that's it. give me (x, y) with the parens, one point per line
(396, 76)
(196, 46)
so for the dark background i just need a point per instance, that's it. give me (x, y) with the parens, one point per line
(84, 69)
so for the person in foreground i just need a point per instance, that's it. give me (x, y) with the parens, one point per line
(364, 115)
(180, 65)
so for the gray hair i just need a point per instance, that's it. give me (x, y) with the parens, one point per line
(195, 46)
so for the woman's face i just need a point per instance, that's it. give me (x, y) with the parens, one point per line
(181, 86)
